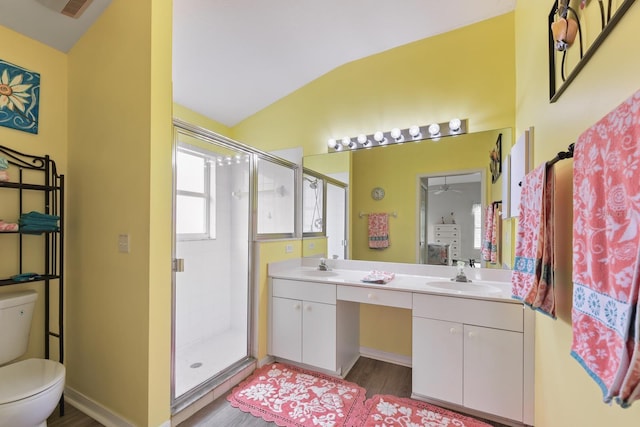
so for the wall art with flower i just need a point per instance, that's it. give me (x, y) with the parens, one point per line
(19, 96)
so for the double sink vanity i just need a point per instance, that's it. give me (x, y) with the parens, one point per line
(472, 344)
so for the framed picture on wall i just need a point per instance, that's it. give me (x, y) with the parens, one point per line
(495, 157)
(19, 97)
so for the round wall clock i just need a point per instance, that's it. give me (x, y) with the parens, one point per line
(377, 193)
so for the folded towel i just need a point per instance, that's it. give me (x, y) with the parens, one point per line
(380, 277)
(378, 230)
(37, 229)
(4, 176)
(606, 252)
(4, 164)
(532, 275)
(8, 226)
(24, 277)
(39, 216)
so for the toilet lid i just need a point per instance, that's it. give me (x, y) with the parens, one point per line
(28, 377)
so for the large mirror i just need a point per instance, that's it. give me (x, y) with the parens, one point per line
(419, 206)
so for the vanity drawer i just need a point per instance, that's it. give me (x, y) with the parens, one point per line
(307, 291)
(375, 296)
(492, 314)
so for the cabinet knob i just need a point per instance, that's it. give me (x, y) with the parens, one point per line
(472, 334)
(308, 308)
(296, 306)
(370, 296)
(452, 331)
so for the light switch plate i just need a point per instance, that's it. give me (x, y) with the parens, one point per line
(123, 243)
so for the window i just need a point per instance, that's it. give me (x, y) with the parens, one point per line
(476, 211)
(195, 201)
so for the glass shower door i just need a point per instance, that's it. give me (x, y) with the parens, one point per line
(211, 283)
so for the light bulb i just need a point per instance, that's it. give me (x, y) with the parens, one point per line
(454, 125)
(332, 143)
(363, 140)
(434, 129)
(379, 137)
(414, 131)
(396, 134)
(346, 141)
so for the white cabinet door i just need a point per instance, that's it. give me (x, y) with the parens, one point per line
(319, 335)
(286, 341)
(493, 368)
(437, 359)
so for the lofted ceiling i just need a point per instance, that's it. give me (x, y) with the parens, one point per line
(232, 58)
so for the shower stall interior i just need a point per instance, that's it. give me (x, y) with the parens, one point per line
(211, 301)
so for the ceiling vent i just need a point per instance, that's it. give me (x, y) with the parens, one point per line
(71, 8)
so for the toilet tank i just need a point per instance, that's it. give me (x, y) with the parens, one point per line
(16, 310)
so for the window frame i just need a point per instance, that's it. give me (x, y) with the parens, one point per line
(208, 194)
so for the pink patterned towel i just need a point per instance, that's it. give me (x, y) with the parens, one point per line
(532, 276)
(378, 230)
(606, 252)
(488, 233)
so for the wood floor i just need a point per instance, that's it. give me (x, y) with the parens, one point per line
(375, 376)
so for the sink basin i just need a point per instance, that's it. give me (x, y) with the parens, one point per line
(319, 273)
(464, 287)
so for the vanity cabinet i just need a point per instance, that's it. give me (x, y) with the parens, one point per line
(469, 353)
(303, 322)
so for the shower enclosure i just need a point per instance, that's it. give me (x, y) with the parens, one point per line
(212, 265)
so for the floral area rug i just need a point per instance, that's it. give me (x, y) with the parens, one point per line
(390, 411)
(292, 397)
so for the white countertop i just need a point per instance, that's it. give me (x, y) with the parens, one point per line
(486, 284)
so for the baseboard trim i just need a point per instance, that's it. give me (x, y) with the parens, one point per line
(96, 411)
(384, 356)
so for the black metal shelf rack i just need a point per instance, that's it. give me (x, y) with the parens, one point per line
(39, 174)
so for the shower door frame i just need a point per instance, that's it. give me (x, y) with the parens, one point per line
(178, 403)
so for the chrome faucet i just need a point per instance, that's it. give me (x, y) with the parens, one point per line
(323, 265)
(460, 276)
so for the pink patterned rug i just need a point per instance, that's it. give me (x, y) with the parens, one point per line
(292, 397)
(391, 411)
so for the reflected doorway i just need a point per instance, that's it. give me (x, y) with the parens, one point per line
(451, 218)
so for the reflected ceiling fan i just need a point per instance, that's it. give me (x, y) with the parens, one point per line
(444, 188)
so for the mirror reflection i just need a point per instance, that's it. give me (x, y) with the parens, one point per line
(451, 219)
(412, 179)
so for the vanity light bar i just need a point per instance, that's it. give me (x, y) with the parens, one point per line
(414, 133)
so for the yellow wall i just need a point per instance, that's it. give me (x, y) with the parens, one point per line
(119, 304)
(466, 73)
(198, 119)
(51, 140)
(565, 394)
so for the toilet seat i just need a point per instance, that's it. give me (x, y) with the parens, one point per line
(27, 378)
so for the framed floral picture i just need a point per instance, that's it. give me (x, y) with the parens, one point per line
(495, 157)
(19, 97)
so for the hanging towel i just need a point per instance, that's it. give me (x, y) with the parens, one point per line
(495, 233)
(606, 252)
(532, 275)
(488, 233)
(378, 230)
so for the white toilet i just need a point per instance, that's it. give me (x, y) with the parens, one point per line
(30, 389)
